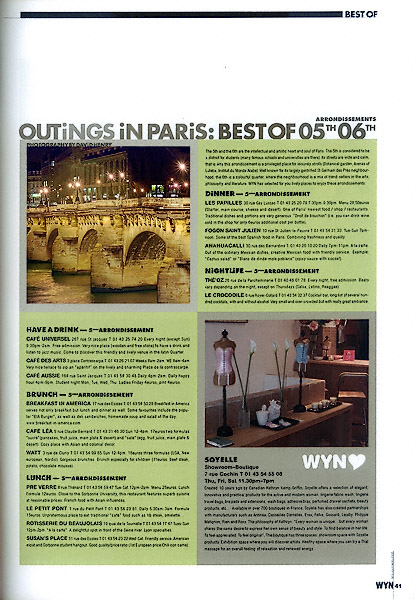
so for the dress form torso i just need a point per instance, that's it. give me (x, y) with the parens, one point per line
(301, 349)
(224, 349)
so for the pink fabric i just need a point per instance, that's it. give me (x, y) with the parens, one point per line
(224, 364)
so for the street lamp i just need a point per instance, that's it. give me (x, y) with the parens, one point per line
(122, 177)
(77, 186)
(111, 177)
(183, 169)
(43, 196)
(98, 183)
(71, 186)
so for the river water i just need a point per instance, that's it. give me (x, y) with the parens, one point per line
(45, 287)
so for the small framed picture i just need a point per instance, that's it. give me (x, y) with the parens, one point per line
(349, 354)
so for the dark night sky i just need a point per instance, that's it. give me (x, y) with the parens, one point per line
(35, 156)
(160, 161)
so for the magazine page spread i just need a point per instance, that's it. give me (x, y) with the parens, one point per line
(201, 241)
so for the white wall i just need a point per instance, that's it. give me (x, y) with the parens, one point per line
(263, 332)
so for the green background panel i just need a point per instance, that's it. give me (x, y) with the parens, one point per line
(166, 438)
(338, 179)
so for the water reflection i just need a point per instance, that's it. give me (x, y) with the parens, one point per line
(45, 287)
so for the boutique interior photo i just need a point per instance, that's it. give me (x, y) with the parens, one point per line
(292, 383)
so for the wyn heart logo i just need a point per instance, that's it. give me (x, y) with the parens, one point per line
(334, 461)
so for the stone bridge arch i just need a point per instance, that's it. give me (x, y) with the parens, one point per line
(86, 246)
(146, 245)
(143, 260)
(53, 234)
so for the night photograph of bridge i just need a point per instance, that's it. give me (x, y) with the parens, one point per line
(108, 224)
